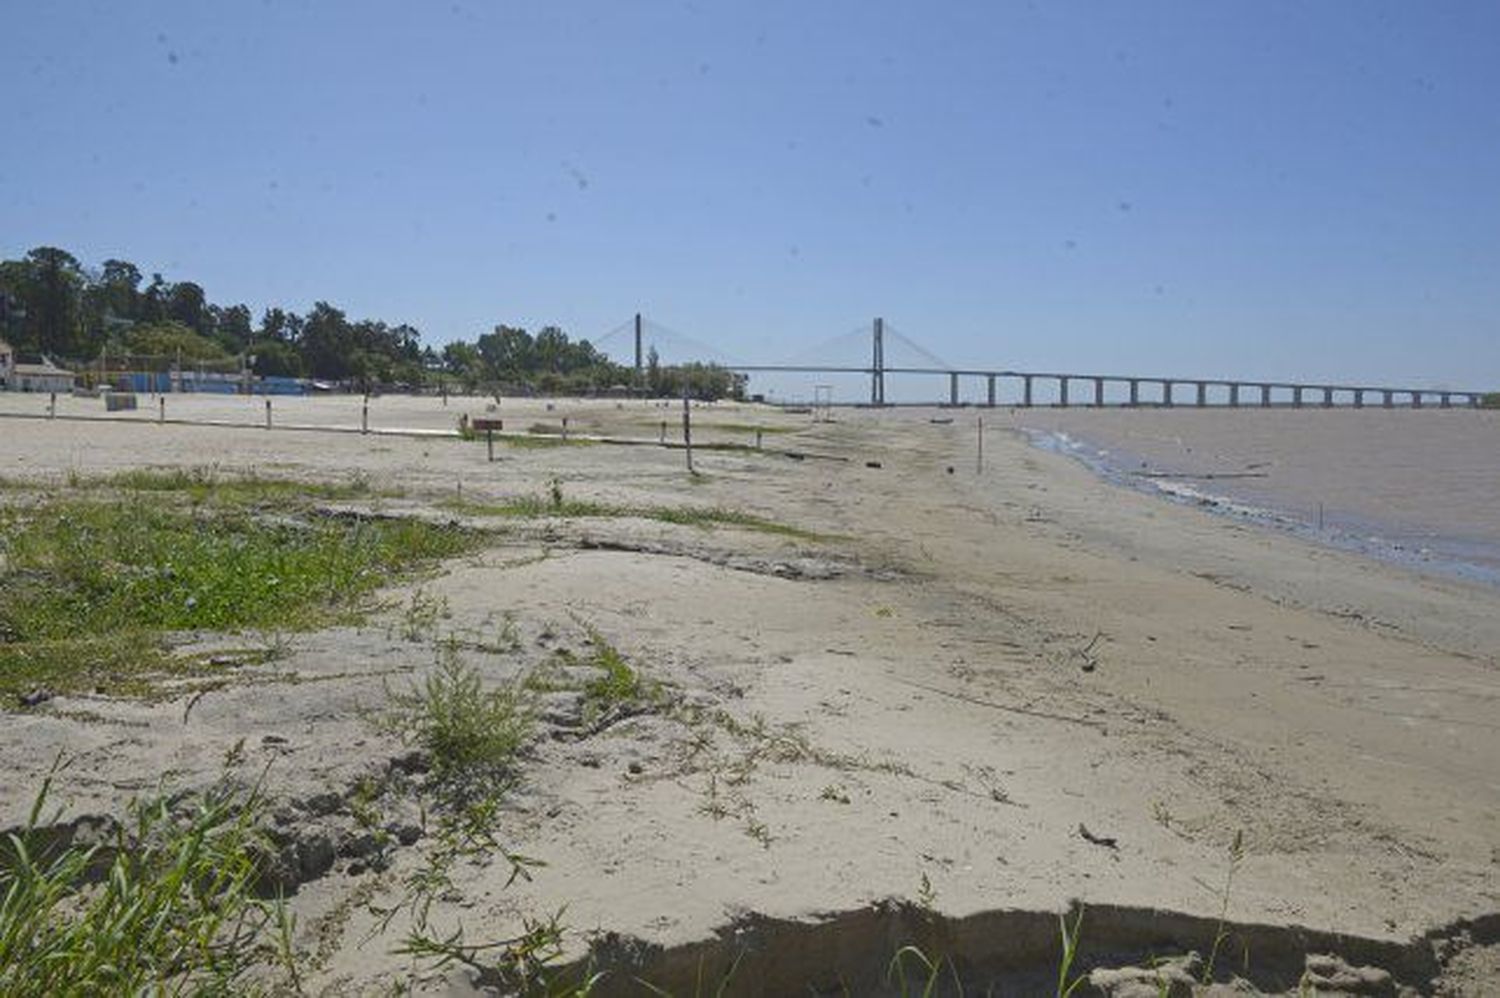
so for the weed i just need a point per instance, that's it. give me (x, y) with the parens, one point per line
(931, 972)
(465, 730)
(174, 913)
(556, 505)
(617, 683)
(1066, 987)
(420, 620)
(758, 831)
(1221, 933)
(555, 493)
(926, 893)
(834, 793)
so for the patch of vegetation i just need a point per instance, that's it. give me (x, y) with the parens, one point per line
(465, 730)
(175, 912)
(210, 485)
(749, 428)
(616, 685)
(90, 591)
(533, 506)
(1489, 400)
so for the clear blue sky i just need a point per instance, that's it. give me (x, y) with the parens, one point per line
(1257, 189)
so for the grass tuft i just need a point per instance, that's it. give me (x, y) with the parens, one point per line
(465, 730)
(554, 505)
(174, 913)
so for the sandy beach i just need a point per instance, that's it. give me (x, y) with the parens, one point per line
(988, 693)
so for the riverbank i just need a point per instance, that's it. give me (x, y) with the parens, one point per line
(975, 690)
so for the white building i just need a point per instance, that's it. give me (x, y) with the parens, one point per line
(43, 377)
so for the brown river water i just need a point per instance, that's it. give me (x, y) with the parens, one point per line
(1419, 487)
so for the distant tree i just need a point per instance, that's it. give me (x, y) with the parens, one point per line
(187, 304)
(278, 325)
(326, 342)
(231, 326)
(118, 290)
(53, 299)
(653, 371)
(507, 352)
(172, 340)
(278, 359)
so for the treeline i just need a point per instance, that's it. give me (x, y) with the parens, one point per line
(52, 305)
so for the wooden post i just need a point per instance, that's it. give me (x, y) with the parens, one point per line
(489, 442)
(757, 439)
(687, 432)
(161, 412)
(663, 438)
(364, 417)
(565, 429)
(52, 406)
(268, 414)
(979, 458)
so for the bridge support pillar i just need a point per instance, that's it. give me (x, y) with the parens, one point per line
(1234, 395)
(1388, 398)
(1416, 400)
(991, 387)
(877, 364)
(1026, 390)
(1099, 393)
(1166, 394)
(1359, 398)
(953, 388)
(1296, 396)
(1202, 394)
(1135, 391)
(1062, 392)
(1445, 401)
(1327, 398)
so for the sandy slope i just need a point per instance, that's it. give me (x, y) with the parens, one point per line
(968, 668)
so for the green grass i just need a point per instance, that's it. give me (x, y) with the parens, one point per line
(200, 485)
(91, 589)
(534, 506)
(174, 913)
(616, 684)
(748, 428)
(538, 441)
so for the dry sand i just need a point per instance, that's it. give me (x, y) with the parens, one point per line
(969, 669)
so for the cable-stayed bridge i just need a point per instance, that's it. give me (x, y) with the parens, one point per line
(862, 353)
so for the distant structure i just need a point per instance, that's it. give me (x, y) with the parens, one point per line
(43, 377)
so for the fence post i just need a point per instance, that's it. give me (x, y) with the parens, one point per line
(757, 439)
(268, 414)
(663, 438)
(979, 458)
(364, 416)
(489, 442)
(52, 406)
(565, 429)
(161, 411)
(687, 432)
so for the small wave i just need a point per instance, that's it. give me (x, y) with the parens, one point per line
(1459, 558)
